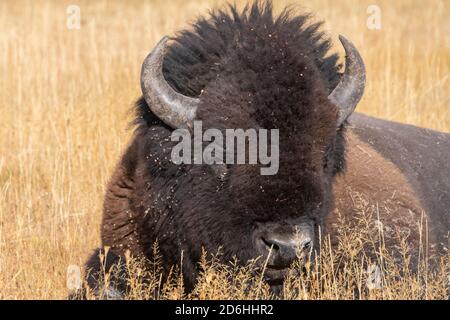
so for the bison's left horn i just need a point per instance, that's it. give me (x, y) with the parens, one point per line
(350, 89)
(175, 109)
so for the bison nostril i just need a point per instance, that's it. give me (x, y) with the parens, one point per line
(271, 245)
(280, 251)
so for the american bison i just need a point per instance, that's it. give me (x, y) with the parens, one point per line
(251, 69)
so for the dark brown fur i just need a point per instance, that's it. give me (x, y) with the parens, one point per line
(250, 70)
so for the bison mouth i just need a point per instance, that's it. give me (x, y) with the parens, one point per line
(274, 275)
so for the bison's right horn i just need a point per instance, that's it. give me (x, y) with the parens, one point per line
(350, 89)
(175, 109)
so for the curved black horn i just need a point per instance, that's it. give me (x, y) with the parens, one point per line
(175, 109)
(350, 89)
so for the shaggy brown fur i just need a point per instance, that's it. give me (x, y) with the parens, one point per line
(372, 181)
(253, 70)
(422, 155)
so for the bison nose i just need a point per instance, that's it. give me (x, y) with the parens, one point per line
(283, 252)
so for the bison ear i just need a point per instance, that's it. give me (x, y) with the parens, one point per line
(350, 88)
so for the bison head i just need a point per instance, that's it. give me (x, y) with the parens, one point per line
(267, 79)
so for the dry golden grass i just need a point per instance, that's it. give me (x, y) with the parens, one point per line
(65, 97)
(361, 266)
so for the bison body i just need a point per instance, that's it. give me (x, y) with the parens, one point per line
(421, 155)
(401, 169)
(253, 70)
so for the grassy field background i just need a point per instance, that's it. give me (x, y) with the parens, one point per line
(65, 98)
